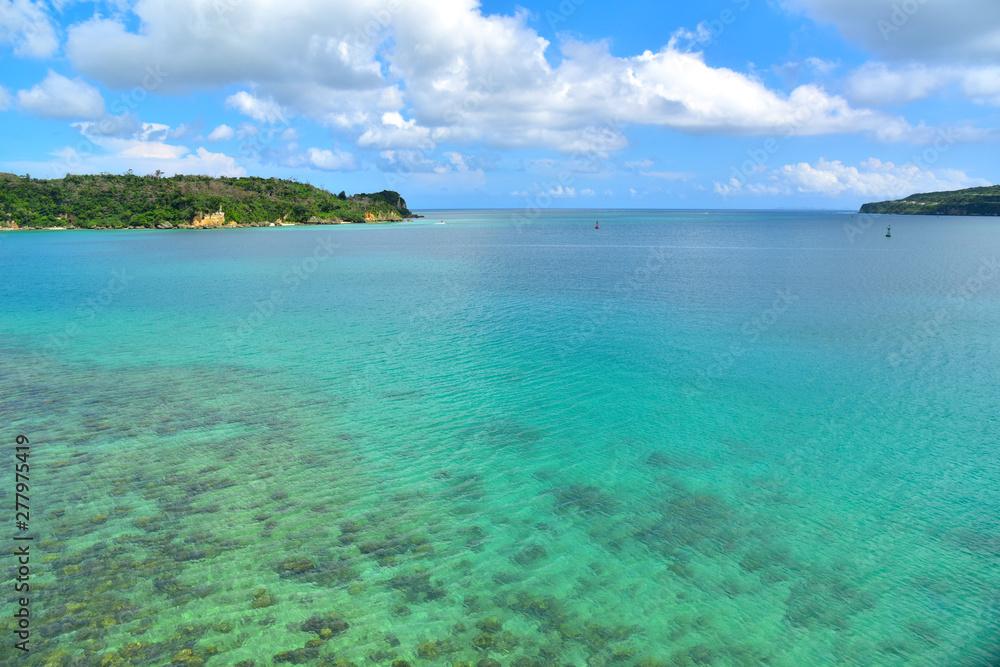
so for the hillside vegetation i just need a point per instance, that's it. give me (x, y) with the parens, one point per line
(112, 201)
(971, 201)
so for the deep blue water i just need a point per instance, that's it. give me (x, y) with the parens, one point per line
(726, 438)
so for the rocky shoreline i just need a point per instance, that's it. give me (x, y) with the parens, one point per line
(215, 225)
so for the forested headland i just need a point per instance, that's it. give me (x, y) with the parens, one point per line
(109, 201)
(970, 201)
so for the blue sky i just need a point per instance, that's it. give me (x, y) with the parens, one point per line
(564, 104)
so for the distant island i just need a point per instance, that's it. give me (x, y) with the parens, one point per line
(970, 201)
(108, 201)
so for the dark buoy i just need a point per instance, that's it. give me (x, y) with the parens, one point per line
(888, 231)
(597, 225)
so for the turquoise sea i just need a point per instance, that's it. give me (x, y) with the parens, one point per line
(686, 438)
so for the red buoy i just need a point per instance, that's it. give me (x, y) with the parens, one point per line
(598, 225)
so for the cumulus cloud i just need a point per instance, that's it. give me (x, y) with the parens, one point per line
(412, 75)
(59, 97)
(222, 133)
(556, 190)
(263, 111)
(206, 162)
(872, 178)
(146, 148)
(335, 160)
(126, 137)
(504, 84)
(144, 151)
(205, 43)
(395, 132)
(25, 25)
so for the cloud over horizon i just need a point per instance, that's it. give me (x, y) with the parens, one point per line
(871, 179)
(396, 87)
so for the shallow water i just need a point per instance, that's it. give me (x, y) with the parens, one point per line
(682, 439)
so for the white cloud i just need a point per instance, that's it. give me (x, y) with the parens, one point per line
(26, 26)
(206, 43)
(557, 190)
(871, 179)
(457, 161)
(152, 150)
(396, 133)
(584, 104)
(59, 97)
(145, 150)
(144, 141)
(201, 161)
(822, 66)
(453, 75)
(692, 40)
(217, 163)
(982, 84)
(263, 111)
(222, 133)
(878, 83)
(336, 160)
(5, 99)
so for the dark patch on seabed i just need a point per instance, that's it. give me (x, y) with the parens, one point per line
(197, 515)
